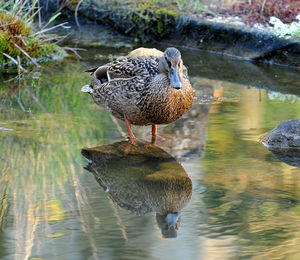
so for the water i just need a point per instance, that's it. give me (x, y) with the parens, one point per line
(244, 202)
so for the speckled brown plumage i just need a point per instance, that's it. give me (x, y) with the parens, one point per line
(139, 88)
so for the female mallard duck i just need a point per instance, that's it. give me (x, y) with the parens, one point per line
(144, 90)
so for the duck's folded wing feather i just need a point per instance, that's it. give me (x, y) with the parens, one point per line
(128, 68)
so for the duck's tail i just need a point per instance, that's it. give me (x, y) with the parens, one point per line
(87, 88)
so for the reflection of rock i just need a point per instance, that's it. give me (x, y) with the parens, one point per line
(142, 179)
(289, 156)
(284, 136)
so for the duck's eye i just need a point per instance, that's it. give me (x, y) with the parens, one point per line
(169, 63)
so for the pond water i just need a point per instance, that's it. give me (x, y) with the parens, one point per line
(208, 190)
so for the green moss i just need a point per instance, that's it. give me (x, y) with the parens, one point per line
(143, 20)
(167, 12)
(14, 31)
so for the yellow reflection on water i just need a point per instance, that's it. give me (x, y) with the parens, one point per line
(55, 210)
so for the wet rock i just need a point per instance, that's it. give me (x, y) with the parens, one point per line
(284, 136)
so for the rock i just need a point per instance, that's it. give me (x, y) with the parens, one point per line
(284, 136)
(284, 142)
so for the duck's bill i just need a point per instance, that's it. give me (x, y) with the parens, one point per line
(174, 78)
(172, 219)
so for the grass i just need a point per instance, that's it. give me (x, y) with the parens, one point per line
(22, 42)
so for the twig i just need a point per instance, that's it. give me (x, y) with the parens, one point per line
(40, 18)
(20, 104)
(51, 28)
(33, 15)
(14, 61)
(24, 42)
(6, 24)
(27, 55)
(58, 38)
(12, 79)
(33, 4)
(21, 7)
(76, 13)
(74, 50)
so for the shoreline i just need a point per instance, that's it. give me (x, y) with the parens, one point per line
(235, 40)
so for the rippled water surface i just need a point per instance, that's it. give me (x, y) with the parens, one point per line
(72, 188)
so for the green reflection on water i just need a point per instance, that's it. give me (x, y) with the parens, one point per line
(249, 194)
(50, 121)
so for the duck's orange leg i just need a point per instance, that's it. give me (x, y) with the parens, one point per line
(128, 125)
(154, 134)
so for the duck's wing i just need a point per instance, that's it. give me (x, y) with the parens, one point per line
(127, 68)
(124, 71)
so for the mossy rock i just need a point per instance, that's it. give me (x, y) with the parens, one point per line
(143, 20)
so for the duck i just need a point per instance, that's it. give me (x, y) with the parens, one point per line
(145, 52)
(143, 90)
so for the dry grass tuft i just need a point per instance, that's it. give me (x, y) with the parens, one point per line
(21, 42)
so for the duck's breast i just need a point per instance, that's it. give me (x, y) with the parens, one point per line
(163, 104)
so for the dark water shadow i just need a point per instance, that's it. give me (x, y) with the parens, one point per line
(262, 76)
(288, 156)
(142, 179)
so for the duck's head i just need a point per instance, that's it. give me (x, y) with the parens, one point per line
(172, 65)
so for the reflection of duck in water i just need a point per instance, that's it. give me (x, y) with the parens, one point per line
(146, 179)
